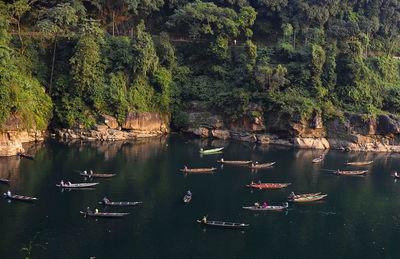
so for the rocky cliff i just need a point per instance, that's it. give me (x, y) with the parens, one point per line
(347, 131)
(135, 125)
(13, 135)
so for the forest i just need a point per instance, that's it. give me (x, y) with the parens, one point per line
(63, 63)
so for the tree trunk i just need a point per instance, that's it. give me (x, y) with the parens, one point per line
(20, 36)
(52, 64)
(294, 39)
(113, 23)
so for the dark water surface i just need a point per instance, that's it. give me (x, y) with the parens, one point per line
(360, 218)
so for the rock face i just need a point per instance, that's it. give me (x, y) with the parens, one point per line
(110, 121)
(146, 122)
(13, 134)
(347, 131)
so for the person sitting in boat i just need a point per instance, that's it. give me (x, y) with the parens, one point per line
(88, 209)
(204, 220)
(91, 172)
(395, 174)
(8, 194)
(201, 149)
(85, 172)
(257, 204)
(259, 182)
(189, 193)
(286, 204)
(338, 171)
(106, 200)
(265, 205)
(96, 211)
(185, 168)
(292, 195)
(69, 183)
(222, 160)
(62, 183)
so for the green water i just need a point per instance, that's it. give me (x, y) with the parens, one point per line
(360, 218)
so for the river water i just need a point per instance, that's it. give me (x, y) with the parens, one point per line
(360, 217)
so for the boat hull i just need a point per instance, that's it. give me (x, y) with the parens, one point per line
(222, 224)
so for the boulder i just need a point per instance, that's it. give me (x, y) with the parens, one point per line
(201, 132)
(10, 144)
(100, 128)
(315, 143)
(221, 134)
(110, 121)
(206, 119)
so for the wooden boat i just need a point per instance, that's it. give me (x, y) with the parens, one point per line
(304, 195)
(310, 198)
(120, 203)
(211, 151)
(3, 180)
(222, 224)
(198, 170)
(350, 172)
(359, 163)
(77, 185)
(98, 175)
(257, 166)
(268, 185)
(104, 214)
(234, 162)
(20, 197)
(261, 208)
(26, 156)
(187, 198)
(318, 159)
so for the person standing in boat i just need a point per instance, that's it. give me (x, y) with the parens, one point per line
(292, 195)
(185, 168)
(189, 193)
(85, 172)
(69, 183)
(204, 220)
(265, 205)
(62, 183)
(91, 172)
(106, 200)
(9, 194)
(395, 174)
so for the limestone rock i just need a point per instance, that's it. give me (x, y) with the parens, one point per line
(388, 125)
(221, 134)
(315, 143)
(110, 121)
(201, 132)
(145, 121)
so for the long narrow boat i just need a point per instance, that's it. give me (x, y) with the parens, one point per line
(98, 175)
(25, 156)
(359, 163)
(187, 198)
(234, 162)
(104, 214)
(304, 195)
(77, 185)
(3, 180)
(20, 197)
(268, 185)
(338, 172)
(310, 198)
(318, 159)
(222, 224)
(257, 166)
(261, 208)
(198, 170)
(211, 151)
(120, 203)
